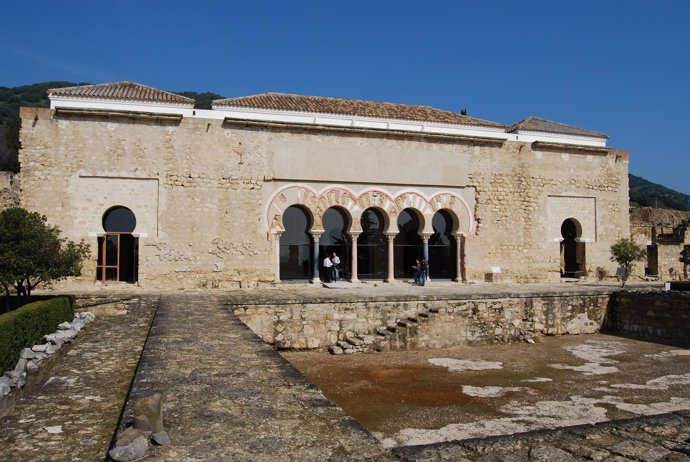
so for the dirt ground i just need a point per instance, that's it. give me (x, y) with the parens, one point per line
(422, 397)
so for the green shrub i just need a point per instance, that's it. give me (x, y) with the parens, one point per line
(26, 326)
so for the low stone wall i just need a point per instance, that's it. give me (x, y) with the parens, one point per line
(476, 319)
(657, 316)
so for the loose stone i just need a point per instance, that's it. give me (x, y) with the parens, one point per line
(21, 365)
(64, 326)
(40, 348)
(151, 408)
(32, 366)
(27, 353)
(161, 438)
(133, 451)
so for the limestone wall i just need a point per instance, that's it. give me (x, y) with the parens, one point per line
(196, 199)
(9, 190)
(523, 195)
(658, 316)
(201, 192)
(457, 321)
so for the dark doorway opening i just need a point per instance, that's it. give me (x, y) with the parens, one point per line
(442, 247)
(295, 245)
(652, 268)
(335, 239)
(372, 246)
(572, 250)
(407, 245)
(118, 248)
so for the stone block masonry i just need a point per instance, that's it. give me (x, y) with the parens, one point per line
(656, 316)
(476, 319)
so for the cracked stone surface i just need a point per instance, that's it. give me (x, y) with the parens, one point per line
(664, 437)
(228, 396)
(71, 416)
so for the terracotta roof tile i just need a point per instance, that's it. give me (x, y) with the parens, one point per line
(125, 91)
(322, 105)
(535, 124)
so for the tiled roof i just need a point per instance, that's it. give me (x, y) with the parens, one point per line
(322, 105)
(124, 91)
(535, 124)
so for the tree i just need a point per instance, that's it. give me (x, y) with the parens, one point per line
(32, 252)
(625, 252)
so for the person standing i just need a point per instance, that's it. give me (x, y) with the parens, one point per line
(417, 272)
(424, 272)
(328, 268)
(336, 267)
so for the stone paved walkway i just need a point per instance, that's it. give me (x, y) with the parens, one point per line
(73, 414)
(663, 438)
(229, 396)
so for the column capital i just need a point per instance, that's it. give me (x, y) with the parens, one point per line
(390, 237)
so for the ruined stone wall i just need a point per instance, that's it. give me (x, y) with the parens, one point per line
(671, 266)
(523, 196)
(196, 199)
(458, 321)
(9, 190)
(657, 316)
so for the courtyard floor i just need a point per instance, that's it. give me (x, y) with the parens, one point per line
(430, 396)
(229, 396)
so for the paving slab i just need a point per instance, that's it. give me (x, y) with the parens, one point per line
(72, 415)
(228, 396)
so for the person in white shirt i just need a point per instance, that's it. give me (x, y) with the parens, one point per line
(335, 259)
(328, 268)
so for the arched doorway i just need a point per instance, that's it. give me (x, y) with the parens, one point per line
(372, 246)
(443, 260)
(572, 250)
(295, 245)
(118, 248)
(407, 245)
(335, 239)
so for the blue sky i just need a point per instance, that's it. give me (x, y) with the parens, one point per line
(621, 67)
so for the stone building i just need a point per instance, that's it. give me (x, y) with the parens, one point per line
(258, 189)
(665, 233)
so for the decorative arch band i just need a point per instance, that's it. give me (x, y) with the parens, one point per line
(353, 205)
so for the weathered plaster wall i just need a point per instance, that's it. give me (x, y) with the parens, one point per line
(658, 316)
(477, 320)
(9, 190)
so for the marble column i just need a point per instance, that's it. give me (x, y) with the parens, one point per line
(353, 258)
(459, 257)
(425, 253)
(276, 250)
(315, 245)
(391, 259)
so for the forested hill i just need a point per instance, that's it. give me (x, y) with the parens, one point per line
(647, 194)
(642, 192)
